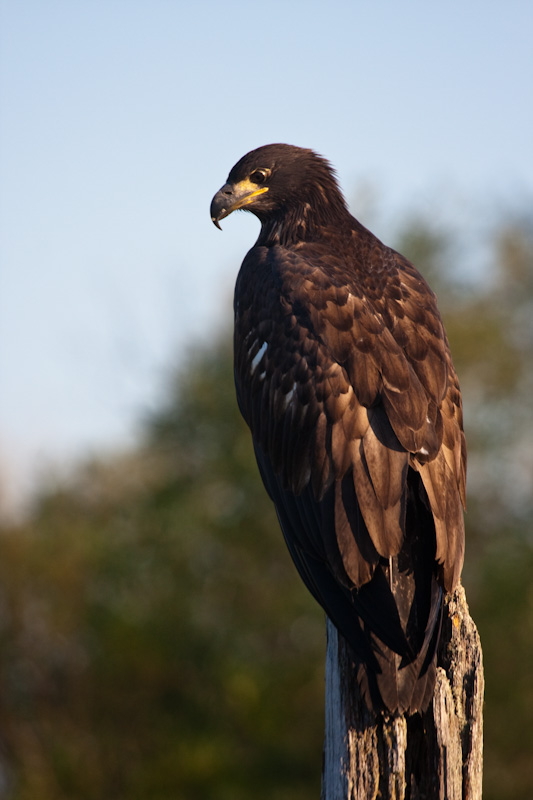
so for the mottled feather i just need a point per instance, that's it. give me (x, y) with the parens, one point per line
(344, 375)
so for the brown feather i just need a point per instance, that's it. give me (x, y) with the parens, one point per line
(344, 375)
(350, 535)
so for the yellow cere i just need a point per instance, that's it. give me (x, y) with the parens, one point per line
(246, 191)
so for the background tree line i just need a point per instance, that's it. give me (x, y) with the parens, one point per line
(155, 639)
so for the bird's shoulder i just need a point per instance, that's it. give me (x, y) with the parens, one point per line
(358, 300)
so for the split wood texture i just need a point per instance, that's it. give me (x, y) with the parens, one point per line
(437, 756)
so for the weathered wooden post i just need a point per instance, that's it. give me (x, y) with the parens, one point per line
(437, 756)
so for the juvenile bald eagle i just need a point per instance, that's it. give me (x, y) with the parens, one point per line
(344, 376)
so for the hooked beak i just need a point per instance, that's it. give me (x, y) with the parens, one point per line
(233, 196)
(222, 204)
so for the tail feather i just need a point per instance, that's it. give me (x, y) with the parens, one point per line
(405, 648)
(402, 684)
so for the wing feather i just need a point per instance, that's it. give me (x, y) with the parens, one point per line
(345, 379)
(342, 386)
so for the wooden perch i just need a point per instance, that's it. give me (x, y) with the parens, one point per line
(437, 756)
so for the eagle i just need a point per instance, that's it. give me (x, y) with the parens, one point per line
(344, 376)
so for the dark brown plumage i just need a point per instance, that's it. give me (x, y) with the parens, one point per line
(344, 376)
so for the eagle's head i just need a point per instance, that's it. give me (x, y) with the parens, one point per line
(275, 179)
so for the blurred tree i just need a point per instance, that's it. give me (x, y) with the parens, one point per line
(490, 327)
(156, 640)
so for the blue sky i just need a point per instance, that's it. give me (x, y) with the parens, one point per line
(120, 119)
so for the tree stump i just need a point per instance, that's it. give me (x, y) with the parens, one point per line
(434, 756)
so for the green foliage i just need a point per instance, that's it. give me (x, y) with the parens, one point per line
(156, 641)
(490, 328)
(503, 610)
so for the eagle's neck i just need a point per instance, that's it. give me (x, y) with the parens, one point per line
(306, 218)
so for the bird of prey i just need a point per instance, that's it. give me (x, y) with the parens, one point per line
(344, 375)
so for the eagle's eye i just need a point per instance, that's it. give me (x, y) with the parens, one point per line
(259, 175)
